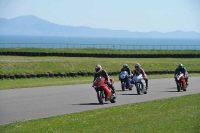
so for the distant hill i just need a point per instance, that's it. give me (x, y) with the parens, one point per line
(31, 25)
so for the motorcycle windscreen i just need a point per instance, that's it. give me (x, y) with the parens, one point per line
(97, 79)
(123, 74)
(138, 78)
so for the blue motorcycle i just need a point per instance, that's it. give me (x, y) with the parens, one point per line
(125, 81)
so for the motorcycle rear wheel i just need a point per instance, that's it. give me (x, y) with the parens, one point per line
(184, 88)
(113, 101)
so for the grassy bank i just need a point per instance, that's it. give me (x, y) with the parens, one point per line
(174, 115)
(30, 65)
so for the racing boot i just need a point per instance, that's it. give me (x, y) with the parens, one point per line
(186, 80)
(130, 87)
(146, 81)
(113, 89)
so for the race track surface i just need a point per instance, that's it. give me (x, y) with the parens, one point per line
(33, 103)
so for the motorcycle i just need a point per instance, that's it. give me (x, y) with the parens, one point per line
(139, 84)
(180, 82)
(104, 93)
(123, 77)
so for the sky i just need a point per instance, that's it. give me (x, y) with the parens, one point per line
(131, 15)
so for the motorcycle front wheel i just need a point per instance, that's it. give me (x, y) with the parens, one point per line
(138, 88)
(179, 87)
(123, 85)
(101, 96)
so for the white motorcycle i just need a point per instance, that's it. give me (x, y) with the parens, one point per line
(140, 84)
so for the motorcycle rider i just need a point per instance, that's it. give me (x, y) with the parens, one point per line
(183, 70)
(100, 72)
(138, 69)
(128, 70)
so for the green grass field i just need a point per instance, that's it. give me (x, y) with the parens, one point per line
(29, 65)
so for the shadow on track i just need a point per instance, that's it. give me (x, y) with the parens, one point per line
(122, 90)
(128, 94)
(89, 104)
(174, 90)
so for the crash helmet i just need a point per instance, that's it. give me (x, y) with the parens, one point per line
(98, 68)
(125, 66)
(180, 65)
(137, 65)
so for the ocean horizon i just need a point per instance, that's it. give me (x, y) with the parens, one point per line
(98, 42)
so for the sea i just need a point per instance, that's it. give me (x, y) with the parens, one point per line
(99, 42)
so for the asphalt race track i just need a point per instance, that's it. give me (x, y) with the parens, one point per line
(33, 103)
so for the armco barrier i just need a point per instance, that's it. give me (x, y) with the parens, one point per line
(101, 55)
(75, 74)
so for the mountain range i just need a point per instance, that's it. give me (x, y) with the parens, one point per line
(32, 25)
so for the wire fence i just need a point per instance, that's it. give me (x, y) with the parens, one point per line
(100, 46)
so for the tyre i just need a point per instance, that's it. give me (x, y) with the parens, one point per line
(123, 85)
(113, 100)
(138, 89)
(101, 96)
(184, 89)
(179, 87)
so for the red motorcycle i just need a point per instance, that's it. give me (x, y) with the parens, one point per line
(104, 93)
(180, 82)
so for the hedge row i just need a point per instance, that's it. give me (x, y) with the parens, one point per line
(75, 74)
(101, 55)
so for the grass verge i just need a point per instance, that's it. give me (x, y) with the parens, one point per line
(31, 65)
(40, 82)
(174, 115)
